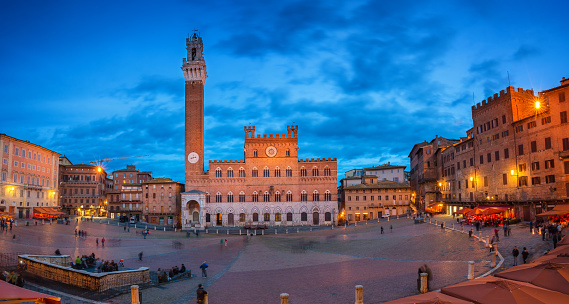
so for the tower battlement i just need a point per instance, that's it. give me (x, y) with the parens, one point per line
(499, 97)
(312, 160)
(250, 133)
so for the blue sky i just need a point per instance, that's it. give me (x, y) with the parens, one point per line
(364, 80)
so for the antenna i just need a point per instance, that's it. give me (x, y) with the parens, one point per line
(508, 78)
(473, 102)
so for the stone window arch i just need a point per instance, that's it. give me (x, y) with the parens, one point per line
(255, 172)
(218, 172)
(229, 172)
(327, 171)
(241, 172)
(241, 197)
(266, 196)
(277, 196)
(302, 171)
(277, 172)
(255, 197)
(328, 196)
(266, 172)
(289, 196)
(288, 172)
(230, 197)
(218, 197)
(303, 196)
(315, 171)
(315, 196)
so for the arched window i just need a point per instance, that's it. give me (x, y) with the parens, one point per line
(289, 196)
(277, 172)
(289, 216)
(241, 197)
(255, 172)
(255, 197)
(288, 172)
(242, 217)
(255, 217)
(326, 171)
(328, 196)
(267, 217)
(218, 198)
(315, 196)
(207, 198)
(241, 172)
(230, 197)
(266, 172)
(254, 153)
(277, 196)
(315, 171)
(218, 172)
(266, 196)
(327, 216)
(303, 196)
(303, 217)
(277, 217)
(230, 172)
(287, 152)
(303, 171)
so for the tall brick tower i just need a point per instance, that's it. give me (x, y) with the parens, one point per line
(195, 73)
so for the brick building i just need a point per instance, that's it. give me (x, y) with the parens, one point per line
(423, 175)
(82, 188)
(127, 201)
(162, 201)
(269, 186)
(28, 177)
(517, 154)
(130, 175)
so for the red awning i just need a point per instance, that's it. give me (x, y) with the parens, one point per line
(13, 294)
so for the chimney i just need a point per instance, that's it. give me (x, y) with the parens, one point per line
(564, 81)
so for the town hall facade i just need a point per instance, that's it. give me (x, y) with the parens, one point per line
(270, 186)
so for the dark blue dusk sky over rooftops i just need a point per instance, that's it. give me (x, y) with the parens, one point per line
(364, 80)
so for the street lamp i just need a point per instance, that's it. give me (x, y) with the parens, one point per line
(537, 105)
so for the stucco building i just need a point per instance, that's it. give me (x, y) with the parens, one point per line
(28, 177)
(271, 185)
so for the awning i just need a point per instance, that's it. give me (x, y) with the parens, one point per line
(548, 213)
(48, 211)
(13, 294)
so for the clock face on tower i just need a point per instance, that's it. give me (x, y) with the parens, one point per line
(193, 157)
(271, 151)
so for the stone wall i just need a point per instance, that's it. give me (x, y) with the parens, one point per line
(50, 267)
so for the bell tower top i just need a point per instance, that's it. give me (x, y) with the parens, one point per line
(193, 66)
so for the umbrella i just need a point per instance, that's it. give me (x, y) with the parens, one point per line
(13, 294)
(432, 297)
(463, 211)
(547, 275)
(490, 211)
(491, 290)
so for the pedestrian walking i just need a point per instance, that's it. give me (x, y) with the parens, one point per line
(97, 241)
(381, 229)
(200, 294)
(103, 241)
(140, 256)
(203, 267)
(124, 229)
(515, 253)
(530, 226)
(442, 226)
(225, 242)
(525, 255)
(391, 228)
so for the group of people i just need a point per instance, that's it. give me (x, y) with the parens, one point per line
(167, 275)
(14, 278)
(549, 231)
(6, 223)
(80, 233)
(108, 266)
(86, 261)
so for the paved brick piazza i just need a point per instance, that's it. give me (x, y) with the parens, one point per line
(313, 267)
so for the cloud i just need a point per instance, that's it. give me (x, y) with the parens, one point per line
(524, 52)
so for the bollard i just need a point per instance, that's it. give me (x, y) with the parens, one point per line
(297, 230)
(388, 218)
(175, 229)
(275, 231)
(488, 242)
(217, 231)
(493, 263)
(247, 232)
(205, 299)
(154, 227)
(366, 222)
(134, 226)
(398, 216)
(255, 232)
(452, 226)
(286, 231)
(356, 224)
(378, 219)
(332, 227)
(239, 231)
(407, 215)
(430, 221)
(424, 282)
(107, 222)
(311, 228)
(495, 248)
(146, 227)
(263, 232)
(42, 222)
(134, 294)
(436, 223)
(284, 298)
(480, 234)
(227, 231)
(359, 294)
(462, 229)
(118, 224)
(470, 270)
(164, 228)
